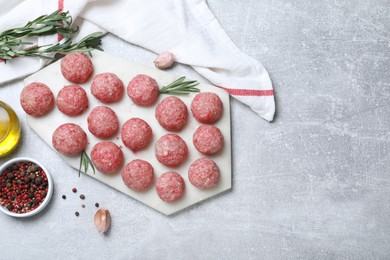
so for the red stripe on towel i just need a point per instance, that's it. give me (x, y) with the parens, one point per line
(249, 92)
(60, 7)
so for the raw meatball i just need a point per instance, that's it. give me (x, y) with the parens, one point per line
(103, 122)
(136, 134)
(107, 157)
(36, 99)
(76, 67)
(107, 87)
(208, 139)
(172, 113)
(69, 139)
(72, 100)
(138, 175)
(143, 90)
(204, 173)
(171, 150)
(170, 186)
(207, 107)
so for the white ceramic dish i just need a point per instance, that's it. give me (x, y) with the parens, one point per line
(49, 191)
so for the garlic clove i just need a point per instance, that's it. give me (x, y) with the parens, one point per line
(165, 60)
(102, 220)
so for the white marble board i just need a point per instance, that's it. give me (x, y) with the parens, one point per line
(44, 126)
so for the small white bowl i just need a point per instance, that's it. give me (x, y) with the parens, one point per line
(49, 188)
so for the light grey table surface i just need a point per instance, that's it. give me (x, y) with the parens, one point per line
(314, 184)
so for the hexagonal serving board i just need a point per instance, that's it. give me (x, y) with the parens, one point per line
(44, 126)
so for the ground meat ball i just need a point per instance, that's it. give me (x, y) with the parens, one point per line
(204, 173)
(136, 134)
(138, 175)
(172, 113)
(103, 122)
(107, 157)
(107, 87)
(76, 67)
(143, 90)
(36, 99)
(207, 107)
(170, 186)
(69, 139)
(72, 100)
(208, 139)
(171, 150)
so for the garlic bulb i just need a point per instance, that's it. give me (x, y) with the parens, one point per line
(102, 220)
(165, 60)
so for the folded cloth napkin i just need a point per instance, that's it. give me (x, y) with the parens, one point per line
(186, 28)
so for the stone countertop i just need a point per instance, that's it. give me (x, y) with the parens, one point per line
(314, 184)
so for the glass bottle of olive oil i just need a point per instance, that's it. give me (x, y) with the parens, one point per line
(9, 129)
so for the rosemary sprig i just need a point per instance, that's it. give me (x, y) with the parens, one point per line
(85, 162)
(13, 43)
(87, 44)
(180, 87)
(55, 22)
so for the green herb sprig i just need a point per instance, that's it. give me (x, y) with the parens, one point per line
(13, 41)
(55, 22)
(180, 87)
(85, 162)
(87, 44)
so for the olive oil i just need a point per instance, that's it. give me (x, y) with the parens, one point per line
(9, 129)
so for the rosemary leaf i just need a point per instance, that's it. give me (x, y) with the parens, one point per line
(180, 87)
(85, 162)
(81, 163)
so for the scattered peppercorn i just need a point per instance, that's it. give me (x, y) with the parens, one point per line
(82, 196)
(64, 197)
(82, 205)
(74, 190)
(96, 204)
(77, 213)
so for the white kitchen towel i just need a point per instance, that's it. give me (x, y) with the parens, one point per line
(186, 28)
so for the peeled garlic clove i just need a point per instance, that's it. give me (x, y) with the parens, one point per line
(102, 220)
(165, 60)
